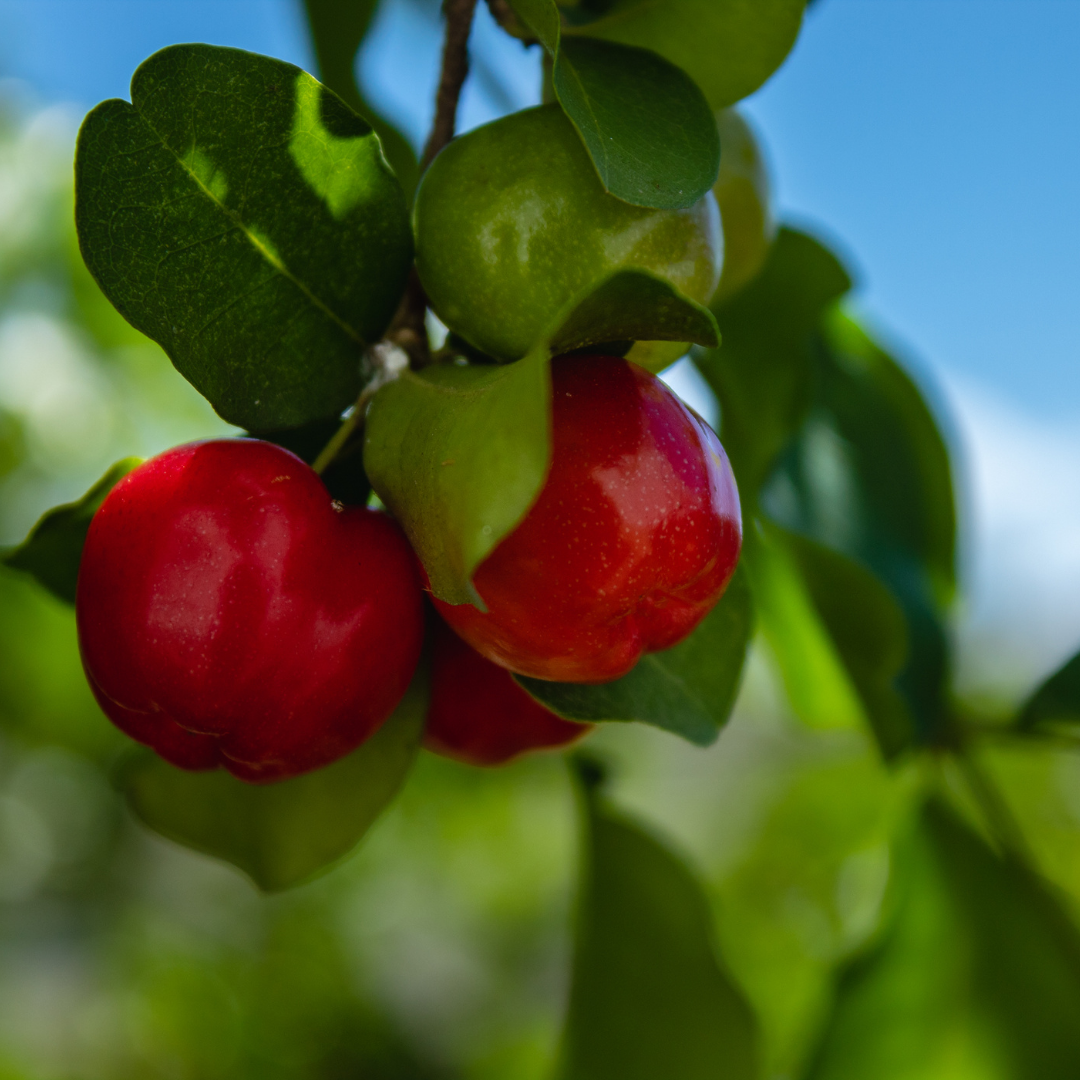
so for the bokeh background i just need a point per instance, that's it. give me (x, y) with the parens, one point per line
(933, 142)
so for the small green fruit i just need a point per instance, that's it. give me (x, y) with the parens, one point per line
(743, 193)
(512, 223)
(744, 196)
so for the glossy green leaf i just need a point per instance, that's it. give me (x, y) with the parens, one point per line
(976, 977)
(53, 550)
(1056, 701)
(459, 453)
(337, 29)
(633, 305)
(648, 128)
(763, 370)
(649, 997)
(728, 47)
(688, 689)
(241, 215)
(281, 834)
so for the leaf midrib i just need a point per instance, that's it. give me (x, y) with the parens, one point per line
(270, 258)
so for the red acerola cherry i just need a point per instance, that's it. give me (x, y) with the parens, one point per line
(631, 542)
(230, 614)
(478, 714)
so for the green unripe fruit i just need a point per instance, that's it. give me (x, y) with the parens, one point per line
(743, 193)
(512, 222)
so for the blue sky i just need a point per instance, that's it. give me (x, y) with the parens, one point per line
(934, 141)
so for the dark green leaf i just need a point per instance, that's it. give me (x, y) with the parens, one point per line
(542, 18)
(53, 550)
(649, 998)
(868, 629)
(337, 29)
(459, 453)
(1056, 701)
(688, 689)
(819, 686)
(244, 217)
(728, 47)
(900, 453)
(281, 834)
(763, 371)
(633, 305)
(344, 477)
(869, 475)
(977, 975)
(648, 128)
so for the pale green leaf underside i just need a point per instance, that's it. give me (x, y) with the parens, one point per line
(281, 834)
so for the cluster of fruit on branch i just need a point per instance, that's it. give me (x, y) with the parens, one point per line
(232, 613)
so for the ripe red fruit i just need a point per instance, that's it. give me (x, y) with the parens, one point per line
(478, 714)
(229, 614)
(631, 542)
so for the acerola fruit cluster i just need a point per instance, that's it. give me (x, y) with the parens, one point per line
(230, 613)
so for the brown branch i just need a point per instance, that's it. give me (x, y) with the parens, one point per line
(408, 329)
(455, 66)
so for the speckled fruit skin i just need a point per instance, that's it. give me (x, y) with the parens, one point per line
(229, 615)
(631, 542)
(478, 714)
(512, 222)
(744, 196)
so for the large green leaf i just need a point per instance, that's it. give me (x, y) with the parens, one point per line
(1056, 701)
(818, 684)
(649, 998)
(337, 29)
(53, 550)
(281, 834)
(241, 215)
(763, 370)
(868, 628)
(648, 128)
(900, 453)
(688, 689)
(459, 453)
(977, 976)
(869, 475)
(728, 47)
